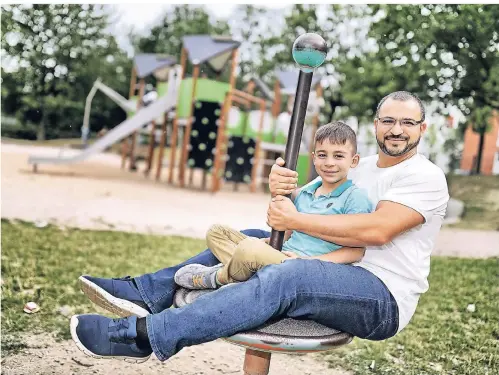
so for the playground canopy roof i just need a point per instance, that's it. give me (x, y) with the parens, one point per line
(264, 89)
(289, 80)
(215, 50)
(147, 63)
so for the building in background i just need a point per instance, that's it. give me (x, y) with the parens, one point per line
(490, 155)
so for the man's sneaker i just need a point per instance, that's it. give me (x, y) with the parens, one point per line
(101, 337)
(119, 296)
(197, 276)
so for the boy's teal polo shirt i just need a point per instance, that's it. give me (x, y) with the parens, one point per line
(345, 199)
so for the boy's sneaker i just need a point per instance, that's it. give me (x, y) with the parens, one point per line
(101, 337)
(197, 276)
(119, 296)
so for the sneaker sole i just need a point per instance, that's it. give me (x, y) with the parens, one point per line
(74, 323)
(107, 301)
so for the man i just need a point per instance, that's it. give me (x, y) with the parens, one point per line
(373, 299)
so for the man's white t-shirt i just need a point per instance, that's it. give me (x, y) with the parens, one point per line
(403, 264)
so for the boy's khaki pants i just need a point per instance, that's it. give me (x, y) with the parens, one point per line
(241, 255)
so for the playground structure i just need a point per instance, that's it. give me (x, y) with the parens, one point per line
(231, 134)
(145, 65)
(125, 129)
(216, 137)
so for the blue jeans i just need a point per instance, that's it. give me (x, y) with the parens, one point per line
(344, 297)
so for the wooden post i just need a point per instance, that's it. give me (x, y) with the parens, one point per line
(124, 143)
(315, 124)
(256, 155)
(134, 135)
(256, 362)
(162, 143)
(150, 151)
(188, 126)
(219, 155)
(232, 83)
(174, 135)
(276, 105)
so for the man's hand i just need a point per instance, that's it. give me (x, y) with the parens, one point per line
(290, 254)
(281, 213)
(282, 181)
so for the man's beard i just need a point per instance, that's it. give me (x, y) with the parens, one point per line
(405, 150)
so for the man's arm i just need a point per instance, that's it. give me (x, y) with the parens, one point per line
(345, 255)
(411, 200)
(353, 230)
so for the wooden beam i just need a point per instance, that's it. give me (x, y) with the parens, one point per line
(162, 143)
(134, 135)
(220, 142)
(276, 105)
(232, 79)
(256, 155)
(188, 127)
(241, 101)
(246, 96)
(315, 124)
(131, 92)
(216, 181)
(150, 150)
(174, 135)
(250, 87)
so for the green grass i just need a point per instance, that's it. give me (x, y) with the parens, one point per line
(42, 265)
(443, 338)
(480, 195)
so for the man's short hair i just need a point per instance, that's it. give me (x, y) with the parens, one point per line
(337, 133)
(402, 96)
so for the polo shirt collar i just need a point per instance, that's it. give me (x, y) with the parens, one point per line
(314, 185)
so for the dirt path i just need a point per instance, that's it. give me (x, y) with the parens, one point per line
(45, 356)
(99, 195)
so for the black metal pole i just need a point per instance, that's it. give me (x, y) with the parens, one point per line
(294, 138)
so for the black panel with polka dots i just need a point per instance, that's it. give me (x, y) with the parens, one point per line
(239, 159)
(203, 135)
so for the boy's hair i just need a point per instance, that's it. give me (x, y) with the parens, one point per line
(337, 133)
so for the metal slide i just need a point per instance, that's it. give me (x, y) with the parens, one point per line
(145, 115)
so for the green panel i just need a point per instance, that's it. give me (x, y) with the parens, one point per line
(134, 99)
(302, 168)
(238, 129)
(281, 138)
(207, 90)
(161, 88)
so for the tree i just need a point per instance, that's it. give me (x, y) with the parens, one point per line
(54, 54)
(342, 28)
(446, 53)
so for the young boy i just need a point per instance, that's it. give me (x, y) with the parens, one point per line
(241, 256)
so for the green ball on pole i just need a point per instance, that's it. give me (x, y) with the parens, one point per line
(309, 51)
